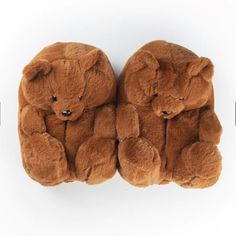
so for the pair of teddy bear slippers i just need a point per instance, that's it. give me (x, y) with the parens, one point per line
(155, 124)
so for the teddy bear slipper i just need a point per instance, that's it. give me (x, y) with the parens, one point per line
(166, 124)
(67, 115)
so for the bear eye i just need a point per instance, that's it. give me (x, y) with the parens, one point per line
(181, 98)
(54, 98)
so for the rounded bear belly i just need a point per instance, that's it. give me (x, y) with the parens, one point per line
(152, 128)
(71, 133)
(181, 131)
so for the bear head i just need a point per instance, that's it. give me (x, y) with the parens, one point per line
(68, 86)
(171, 85)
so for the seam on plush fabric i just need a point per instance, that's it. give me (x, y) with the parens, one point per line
(65, 129)
(166, 123)
(198, 125)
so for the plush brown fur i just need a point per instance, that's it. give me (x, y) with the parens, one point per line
(166, 124)
(66, 115)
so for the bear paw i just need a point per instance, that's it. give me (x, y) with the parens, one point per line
(139, 162)
(96, 160)
(198, 166)
(45, 160)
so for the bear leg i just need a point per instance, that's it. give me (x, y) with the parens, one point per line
(139, 162)
(198, 166)
(44, 159)
(96, 160)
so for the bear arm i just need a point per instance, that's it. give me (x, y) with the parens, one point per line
(32, 121)
(127, 122)
(104, 123)
(209, 127)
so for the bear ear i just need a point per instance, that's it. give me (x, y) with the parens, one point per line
(32, 70)
(202, 66)
(142, 59)
(94, 58)
(100, 80)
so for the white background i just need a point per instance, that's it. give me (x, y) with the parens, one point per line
(115, 207)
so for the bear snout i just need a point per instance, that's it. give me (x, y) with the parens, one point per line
(68, 110)
(167, 107)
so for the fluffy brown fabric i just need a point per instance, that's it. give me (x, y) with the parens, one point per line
(166, 124)
(165, 120)
(66, 115)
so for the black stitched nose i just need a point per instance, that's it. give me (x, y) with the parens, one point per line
(166, 112)
(66, 113)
